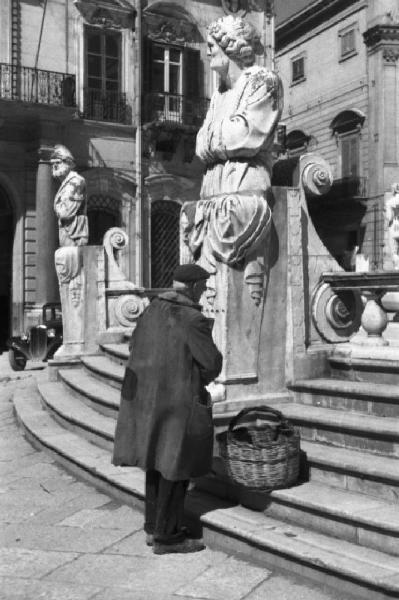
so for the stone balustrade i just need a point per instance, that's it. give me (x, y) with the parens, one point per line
(372, 316)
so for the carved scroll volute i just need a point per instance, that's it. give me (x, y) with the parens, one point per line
(128, 308)
(115, 239)
(316, 175)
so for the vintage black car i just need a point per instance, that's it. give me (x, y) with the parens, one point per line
(40, 341)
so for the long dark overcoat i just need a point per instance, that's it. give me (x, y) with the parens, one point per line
(164, 422)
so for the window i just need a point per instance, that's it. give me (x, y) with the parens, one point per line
(350, 155)
(165, 238)
(171, 81)
(297, 142)
(103, 99)
(346, 127)
(298, 69)
(348, 42)
(167, 78)
(103, 213)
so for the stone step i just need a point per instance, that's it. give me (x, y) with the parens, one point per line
(104, 398)
(379, 435)
(76, 416)
(119, 353)
(351, 362)
(381, 400)
(353, 470)
(340, 510)
(368, 573)
(351, 516)
(104, 369)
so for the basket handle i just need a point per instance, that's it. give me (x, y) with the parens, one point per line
(264, 409)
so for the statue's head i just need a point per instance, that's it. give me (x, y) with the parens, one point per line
(232, 38)
(62, 161)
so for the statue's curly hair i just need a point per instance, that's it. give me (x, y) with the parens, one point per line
(237, 38)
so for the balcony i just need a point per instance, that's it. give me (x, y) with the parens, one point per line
(106, 106)
(348, 187)
(175, 110)
(36, 86)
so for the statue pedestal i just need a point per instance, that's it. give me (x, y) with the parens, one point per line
(267, 347)
(71, 277)
(79, 272)
(237, 326)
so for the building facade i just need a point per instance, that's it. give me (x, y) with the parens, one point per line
(339, 64)
(124, 84)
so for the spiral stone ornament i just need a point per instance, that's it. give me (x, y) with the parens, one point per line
(115, 238)
(128, 308)
(336, 316)
(317, 177)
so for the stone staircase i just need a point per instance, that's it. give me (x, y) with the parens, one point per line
(340, 526)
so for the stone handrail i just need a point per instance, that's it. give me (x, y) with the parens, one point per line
(373, 286)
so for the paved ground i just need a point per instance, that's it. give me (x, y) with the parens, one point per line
(60, 539)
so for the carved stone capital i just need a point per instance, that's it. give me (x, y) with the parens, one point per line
(44, 153)
(239, 8)
(118, 14)
(390, 54)
(168, 29)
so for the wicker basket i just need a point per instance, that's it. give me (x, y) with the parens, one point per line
(263, 455)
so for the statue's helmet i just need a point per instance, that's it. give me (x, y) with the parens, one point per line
(62, 153)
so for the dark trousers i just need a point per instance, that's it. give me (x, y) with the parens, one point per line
(164, 508)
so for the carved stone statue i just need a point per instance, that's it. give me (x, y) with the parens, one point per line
(70, 206)
(70, 202)
(228, 235)
(392, 214)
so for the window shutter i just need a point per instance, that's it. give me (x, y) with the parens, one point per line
(146, 71)
(354, 156)
(147, 65)
(191, 85)
(192, 72)
(350, 157)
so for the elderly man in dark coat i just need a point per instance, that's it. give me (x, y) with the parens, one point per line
(165, 417)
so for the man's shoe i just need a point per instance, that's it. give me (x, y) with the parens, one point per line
(187, 545)
(149, 539)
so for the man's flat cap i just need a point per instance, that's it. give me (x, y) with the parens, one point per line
(190, 273)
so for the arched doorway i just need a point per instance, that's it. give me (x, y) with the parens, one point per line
(103, 212)
(6, 244)
(165, 216)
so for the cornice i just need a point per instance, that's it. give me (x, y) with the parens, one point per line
(309, 18)
(168, 30)
(381, 34)
(115, 14)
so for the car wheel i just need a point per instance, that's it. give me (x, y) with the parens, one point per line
(17, 361)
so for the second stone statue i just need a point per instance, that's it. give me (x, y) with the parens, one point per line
(228, 231)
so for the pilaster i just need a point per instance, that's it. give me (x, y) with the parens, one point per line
(46, 232)
(382, 41)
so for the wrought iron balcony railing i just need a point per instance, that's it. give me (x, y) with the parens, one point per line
(174, 109)
(35, 85)
(349, 187)
(106, 106)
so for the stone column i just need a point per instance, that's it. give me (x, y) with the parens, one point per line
(46, 232)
